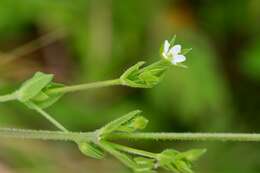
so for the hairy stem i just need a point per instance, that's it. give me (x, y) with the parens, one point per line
(77, 136)
(7, 97)
(46, 135)
(189, 136)
(80, 87)
(48, 117)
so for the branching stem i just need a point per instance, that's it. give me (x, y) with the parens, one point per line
(77, 136)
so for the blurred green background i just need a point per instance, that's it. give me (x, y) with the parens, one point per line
(91, 40)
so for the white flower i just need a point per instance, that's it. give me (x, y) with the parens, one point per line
(173, 53)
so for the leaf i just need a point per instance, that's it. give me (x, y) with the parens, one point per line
(176, 161)
(91, 150)
(183, 167)
(124, 158)
(192, 155)
(114, 125)
(137, 123)
(44, 100)
(35, 90)
(167, 156)
(144, 165)
(146, 77)
(132, 70)
(33, 86)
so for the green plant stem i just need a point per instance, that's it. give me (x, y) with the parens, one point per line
(48, 117)
(134, 151)
(77, 136)
(80, 87)
(47, 135)
(107, 146)
(188, 136)
(7, 97)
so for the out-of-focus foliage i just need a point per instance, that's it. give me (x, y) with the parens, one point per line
(218, 92)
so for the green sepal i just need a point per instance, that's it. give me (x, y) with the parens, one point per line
(91, 150)
(185, 51)
(172, 42)
(180, 162)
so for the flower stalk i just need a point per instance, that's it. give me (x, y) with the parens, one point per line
(8, 97)
(80, 87)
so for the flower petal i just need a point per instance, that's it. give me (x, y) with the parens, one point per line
(166, 47)
(178, 59)
(175, 50)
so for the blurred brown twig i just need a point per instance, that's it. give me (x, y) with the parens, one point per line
(31, 46)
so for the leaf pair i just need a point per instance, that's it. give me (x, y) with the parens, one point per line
(35, 90)
(145, 77)
(91, 150)
(127, 123)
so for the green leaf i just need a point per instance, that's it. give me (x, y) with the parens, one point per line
(183, 167)
(144, 165)
(137, 123)
(115, 125)
(176, 161)
(132, 70)
(91, 150)
(35, 90)
(124, 158)
(192, 155)
(33, 86)
(44, 99)
(146, 77)
(167, 157)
